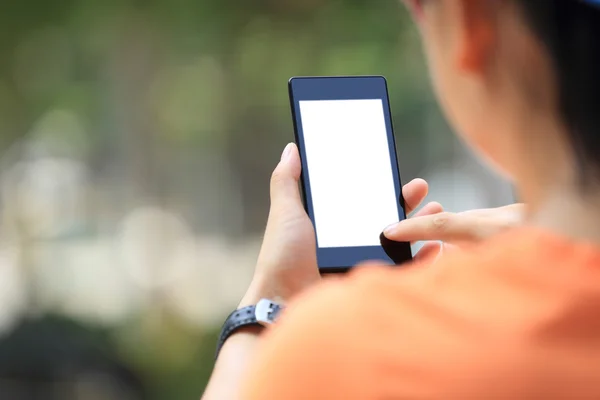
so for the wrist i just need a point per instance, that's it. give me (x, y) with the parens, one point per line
(251, 297)
(259, 289)
(279, 290)
(243, 336)
(250, 318)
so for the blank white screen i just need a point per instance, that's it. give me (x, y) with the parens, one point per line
(350, 171)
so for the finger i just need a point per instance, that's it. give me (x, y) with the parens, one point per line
(446, 227)
(414, 192)
(431, 208)
(429, 250)
(284, 181)
(332, 276)
(447, 247)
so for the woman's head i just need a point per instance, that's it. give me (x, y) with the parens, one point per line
(518, 80)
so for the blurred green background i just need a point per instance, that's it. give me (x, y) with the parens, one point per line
(137, 139)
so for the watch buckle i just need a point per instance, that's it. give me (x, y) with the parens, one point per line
(266, 312)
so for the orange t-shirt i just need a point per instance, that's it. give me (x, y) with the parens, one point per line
(516, 317)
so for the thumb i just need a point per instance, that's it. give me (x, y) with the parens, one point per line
(284, 181)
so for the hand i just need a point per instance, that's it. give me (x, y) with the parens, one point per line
(454, 229)
(287, 263)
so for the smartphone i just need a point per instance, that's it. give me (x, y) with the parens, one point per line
(350, 178)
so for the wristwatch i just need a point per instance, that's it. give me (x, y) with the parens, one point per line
(264, 313)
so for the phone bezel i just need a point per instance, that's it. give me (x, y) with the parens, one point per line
(345, 88)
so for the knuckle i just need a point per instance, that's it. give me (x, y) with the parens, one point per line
(440, 222)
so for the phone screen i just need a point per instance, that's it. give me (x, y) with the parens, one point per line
(350, 176)
(350, 171)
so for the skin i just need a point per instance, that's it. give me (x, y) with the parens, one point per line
(495, 83)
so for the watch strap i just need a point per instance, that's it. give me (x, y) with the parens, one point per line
(264, 313)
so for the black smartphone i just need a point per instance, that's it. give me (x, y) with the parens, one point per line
(350, 178)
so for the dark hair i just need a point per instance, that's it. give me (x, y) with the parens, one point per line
(570, 30)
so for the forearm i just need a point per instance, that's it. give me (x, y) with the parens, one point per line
(235, 356)
(231, 366)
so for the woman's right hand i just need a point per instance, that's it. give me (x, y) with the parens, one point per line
(454, 229)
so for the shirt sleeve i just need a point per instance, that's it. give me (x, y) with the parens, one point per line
(365, 337)
(312, 353)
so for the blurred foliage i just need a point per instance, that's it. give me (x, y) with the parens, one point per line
(140, 91)
(208, 74)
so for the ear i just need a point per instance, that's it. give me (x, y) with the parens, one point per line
(478, 34)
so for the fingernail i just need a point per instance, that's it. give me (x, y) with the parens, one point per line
(286, 152)
(389, 229)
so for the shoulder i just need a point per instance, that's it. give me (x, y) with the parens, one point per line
(405, 332)
(356, 338)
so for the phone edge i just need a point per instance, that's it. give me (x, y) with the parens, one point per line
(297, 142)
(397, 166)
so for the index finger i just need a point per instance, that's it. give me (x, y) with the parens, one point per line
(445, 227)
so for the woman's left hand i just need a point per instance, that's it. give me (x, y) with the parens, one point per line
(287, 263)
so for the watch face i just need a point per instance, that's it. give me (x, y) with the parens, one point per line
(267, 311)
